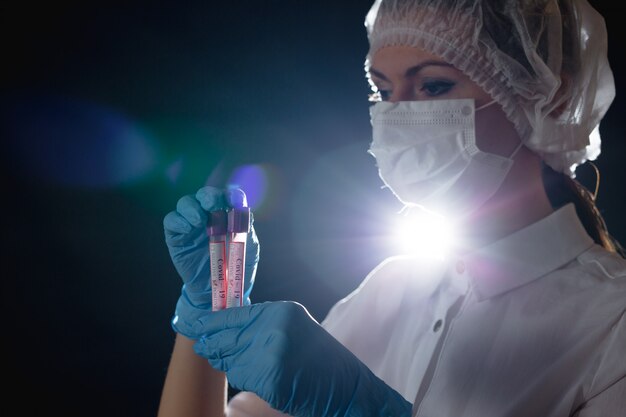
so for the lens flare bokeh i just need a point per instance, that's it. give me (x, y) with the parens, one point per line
(74, 142)
(263, 185)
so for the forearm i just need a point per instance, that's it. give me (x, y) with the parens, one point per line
(192, 387)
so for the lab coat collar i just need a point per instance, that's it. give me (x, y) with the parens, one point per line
(527, 254)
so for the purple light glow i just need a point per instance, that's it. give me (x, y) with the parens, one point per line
(252, 179)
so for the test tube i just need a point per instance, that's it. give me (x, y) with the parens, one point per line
(217, 229)
(238, 229)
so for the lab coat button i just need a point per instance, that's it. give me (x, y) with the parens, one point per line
(437, 326)
(460, 267)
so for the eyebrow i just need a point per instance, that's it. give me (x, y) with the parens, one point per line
(413, 70)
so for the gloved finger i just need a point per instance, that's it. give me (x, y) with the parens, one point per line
(174, 224)
(190, 209)
(211, 198)
(178, 231)
(224, 365)
(217, 363)
(230, 318)
(219, 345)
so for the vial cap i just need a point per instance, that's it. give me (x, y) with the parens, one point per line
(239, 220)
(217, 223)
(237, 198)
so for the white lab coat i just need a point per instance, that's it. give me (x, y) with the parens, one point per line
(531, 325)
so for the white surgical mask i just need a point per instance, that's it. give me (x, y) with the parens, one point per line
(426, 154)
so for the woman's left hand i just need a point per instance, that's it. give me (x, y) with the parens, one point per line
(278, 351)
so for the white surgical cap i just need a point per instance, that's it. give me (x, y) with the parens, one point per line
(544, 61)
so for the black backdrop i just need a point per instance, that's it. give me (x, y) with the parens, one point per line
(110, 113)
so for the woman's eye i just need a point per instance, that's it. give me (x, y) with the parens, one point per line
(436, 88)
(374, 97)
(380, 95)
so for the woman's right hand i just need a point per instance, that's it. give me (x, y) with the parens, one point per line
(188, 244)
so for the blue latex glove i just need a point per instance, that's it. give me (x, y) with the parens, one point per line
(278, 351)
(188, 246)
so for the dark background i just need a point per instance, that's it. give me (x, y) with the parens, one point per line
(111, 113)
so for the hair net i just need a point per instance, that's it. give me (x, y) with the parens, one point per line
(544, 61)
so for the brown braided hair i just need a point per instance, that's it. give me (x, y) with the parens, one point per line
(561, 190)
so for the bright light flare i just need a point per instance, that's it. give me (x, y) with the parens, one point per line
(423, 234)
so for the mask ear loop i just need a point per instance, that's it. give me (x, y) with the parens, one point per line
(516, 149)
(485, 105)
(520, 142)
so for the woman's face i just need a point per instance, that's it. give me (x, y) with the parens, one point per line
(403, 73)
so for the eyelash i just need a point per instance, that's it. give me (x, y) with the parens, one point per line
(430, 88)
(441, 87)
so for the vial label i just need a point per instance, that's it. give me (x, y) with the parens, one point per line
(217, 255)
(236, 254)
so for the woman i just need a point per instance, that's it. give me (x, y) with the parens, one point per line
(486, 108)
